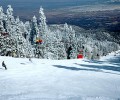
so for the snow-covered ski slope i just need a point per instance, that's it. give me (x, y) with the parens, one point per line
(60, 80)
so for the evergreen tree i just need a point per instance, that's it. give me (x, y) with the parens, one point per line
(28, 30)
(70, 42)
(24, 49)
(34, 31)
(1, 20)
(43, 25)
(58, 46)
(73, 43)
(66, 38)
(7, 43)
(10, 19)
(44, 33)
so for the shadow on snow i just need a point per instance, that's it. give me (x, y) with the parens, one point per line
(101, 67)
(83, 69)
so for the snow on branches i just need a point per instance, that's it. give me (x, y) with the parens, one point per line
(37, 39)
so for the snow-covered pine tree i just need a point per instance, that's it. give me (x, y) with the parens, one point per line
(66, 38)
(1, 20)
(70, 41)
(73, 43)
(10, 22)
(28, 29)
(18, 38)
(43, 24)
(28, 46)
(35, 37)
(22, 47)
(5, 44)
(2, 37)
(44, 33)
(50, 48)
(6, 40)
(23, 29)
(58, 46)
(34, 30)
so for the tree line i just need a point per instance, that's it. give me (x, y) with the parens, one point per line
(35, 39)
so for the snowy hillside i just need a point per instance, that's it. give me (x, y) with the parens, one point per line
(60, 79)
(37, 39)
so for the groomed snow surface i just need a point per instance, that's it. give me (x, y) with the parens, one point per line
(60, 79)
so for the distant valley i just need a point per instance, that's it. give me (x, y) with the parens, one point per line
(87, 16)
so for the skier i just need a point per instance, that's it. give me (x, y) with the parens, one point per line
(3, 64)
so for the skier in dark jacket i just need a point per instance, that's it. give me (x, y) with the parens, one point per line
(3, 64)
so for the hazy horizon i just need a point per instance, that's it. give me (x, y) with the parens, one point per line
(31, 7)
(51, 4)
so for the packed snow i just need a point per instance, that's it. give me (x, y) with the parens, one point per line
(42, 79)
